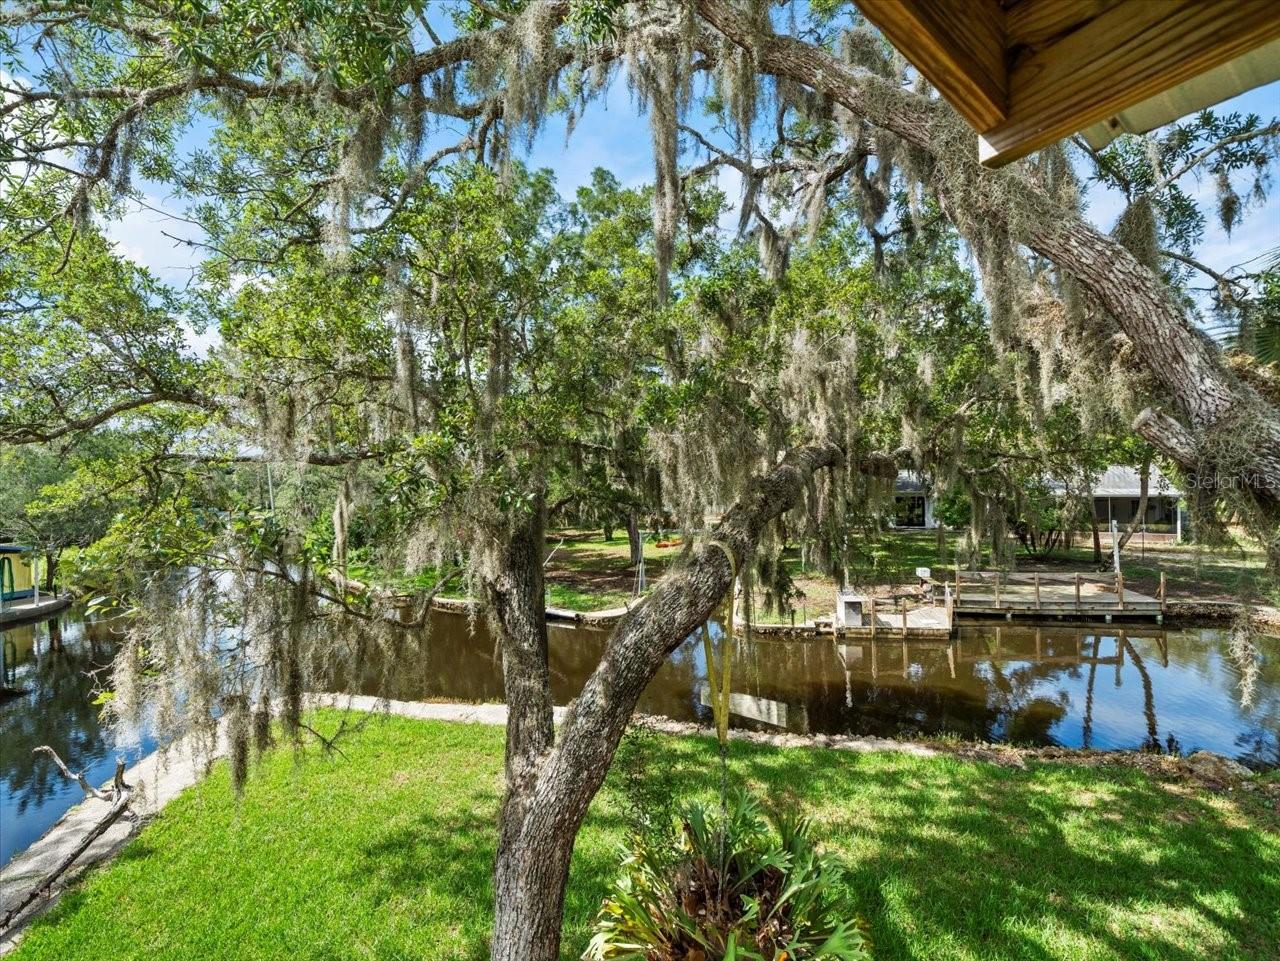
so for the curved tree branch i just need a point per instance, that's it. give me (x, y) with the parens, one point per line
(1188, 367)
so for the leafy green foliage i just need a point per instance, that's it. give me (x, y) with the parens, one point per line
(735, 885)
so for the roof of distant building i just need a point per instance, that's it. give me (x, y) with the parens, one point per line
(1125, 482)
(1115, 481)
(908, 482)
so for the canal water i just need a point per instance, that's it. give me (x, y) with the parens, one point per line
(52, 665)
(1178, 690)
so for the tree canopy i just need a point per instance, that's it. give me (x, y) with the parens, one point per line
(424, 352)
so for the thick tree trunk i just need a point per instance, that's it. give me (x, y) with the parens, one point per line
(553, 786)
(633, 538)
(1211, 402)
(526, 896)
(50, 571)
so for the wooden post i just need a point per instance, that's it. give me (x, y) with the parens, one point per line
(997, 589)
(873, 617)
(1037, 592)
(1162, 592)
(904, 618)
(1120, 589)
(1077, 590)
(957, 598)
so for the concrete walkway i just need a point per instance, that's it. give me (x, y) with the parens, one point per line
(492, 714)
(30, 609)
(157, 779)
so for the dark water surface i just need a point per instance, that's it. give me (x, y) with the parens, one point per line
(1181, 690)
(51, 663)
(1099, 687)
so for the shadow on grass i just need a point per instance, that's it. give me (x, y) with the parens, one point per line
(390, 856)
(960, 859)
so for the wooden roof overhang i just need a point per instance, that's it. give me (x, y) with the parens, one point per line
(1027, 73)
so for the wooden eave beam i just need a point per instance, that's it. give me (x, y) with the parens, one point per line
(1042, 70)
(1130, 52)
(957, 44)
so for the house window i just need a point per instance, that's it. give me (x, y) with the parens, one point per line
(909, 511)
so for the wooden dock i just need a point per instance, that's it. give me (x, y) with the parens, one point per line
(883, 621)
(915, 623)
(986, 595)
(29, 609)
(1086, 596)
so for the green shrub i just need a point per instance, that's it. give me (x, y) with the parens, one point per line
(742, 886)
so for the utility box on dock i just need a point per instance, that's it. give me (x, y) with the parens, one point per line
(851, 610)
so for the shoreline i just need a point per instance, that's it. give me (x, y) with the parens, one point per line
(167, 772)
(16, 614)
(1181, 612)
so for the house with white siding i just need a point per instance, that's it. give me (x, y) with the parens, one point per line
(1116, 496)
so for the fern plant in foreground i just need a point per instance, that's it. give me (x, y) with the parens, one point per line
(743, 886)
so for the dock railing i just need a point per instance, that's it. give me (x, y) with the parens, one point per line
(1050, 592)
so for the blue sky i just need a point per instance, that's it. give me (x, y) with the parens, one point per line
(613, 135)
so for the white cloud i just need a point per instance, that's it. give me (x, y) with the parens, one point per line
(155, 235)
(729, 180)
(609, 134)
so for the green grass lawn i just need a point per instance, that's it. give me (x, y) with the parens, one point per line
(587, 573)
(1190, 569)
(1223, 573)
(385, 853)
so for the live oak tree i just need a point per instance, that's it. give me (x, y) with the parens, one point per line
(43, 504)
(440, 377)
(508, 65)
(414, 344)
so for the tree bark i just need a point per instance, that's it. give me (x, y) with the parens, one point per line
(633, 538)
(1209, 398)
(543, 811)
(1144, 485)
(516, 601)
(50, 571)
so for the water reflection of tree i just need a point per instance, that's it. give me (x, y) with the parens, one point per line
(1258, 664)
(56, 709)
(1152, 741)
(1015, 689)
(861, 688)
